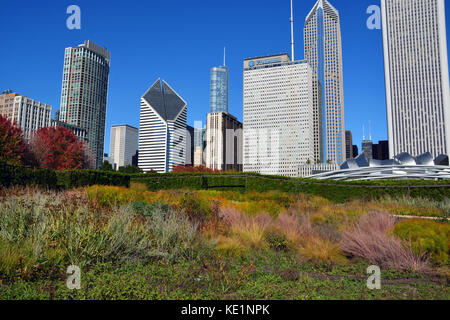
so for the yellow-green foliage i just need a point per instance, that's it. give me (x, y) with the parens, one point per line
(320, 251)
(426, 236)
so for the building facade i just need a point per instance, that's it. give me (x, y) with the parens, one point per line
(81, 133)
(219, 90)
(223, 142)
(29, 114)
(278, 113)
(84, 93)
(308, 170)
(348, 145)
(380, 151)
(190, 134)
(123, 145)
(367, 149)
(162, 133)
(199, 144)
(323, 51)
(416, 75)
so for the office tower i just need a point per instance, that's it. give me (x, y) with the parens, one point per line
(367, 149)
(199, 144)
(416, 75)
(84, 93)
(278, 129)
(348, 145)
(380, 151)
(189, 146)
(323, 51)
(162, 134)
(123, 145)
(223, 142)
(80, 133)
(29, 114)
(219, 88)
(355, 151)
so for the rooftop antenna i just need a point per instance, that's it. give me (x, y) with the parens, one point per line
(224, 56)
(364, 134)
(292, 31)
(370, 130)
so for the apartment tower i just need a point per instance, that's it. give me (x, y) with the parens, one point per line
(85, 92)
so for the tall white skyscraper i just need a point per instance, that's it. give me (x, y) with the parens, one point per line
(323, 51)
(417, 80)
(123, 145)
(162, 134)
(278, 112)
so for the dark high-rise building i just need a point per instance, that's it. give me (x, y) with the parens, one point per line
(380, 151)
(355, 151)
(367, 149)
(348, 144)
(85, 92)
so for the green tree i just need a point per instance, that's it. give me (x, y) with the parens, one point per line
(106, 166)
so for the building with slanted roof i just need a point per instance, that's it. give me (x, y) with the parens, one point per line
(162, 134)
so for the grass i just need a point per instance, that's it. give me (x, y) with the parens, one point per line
(137, 244)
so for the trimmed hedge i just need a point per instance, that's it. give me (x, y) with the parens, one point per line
(21, 176)
(338, 191)
(78, 178)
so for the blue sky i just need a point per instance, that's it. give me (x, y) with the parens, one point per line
(179, 41)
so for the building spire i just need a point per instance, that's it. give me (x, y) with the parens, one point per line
(224, 56)
(292, 32)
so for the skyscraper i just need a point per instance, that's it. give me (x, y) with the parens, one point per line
(323, 51)
(85, 92)
(123, 145)
(416, 75)
(348, 145)
(162, 134)
(199, 144)
(223, 142)
(29, 114)
(278, 109)
(219, 89)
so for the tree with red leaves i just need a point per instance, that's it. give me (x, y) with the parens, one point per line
(59, 149)
(13, 149)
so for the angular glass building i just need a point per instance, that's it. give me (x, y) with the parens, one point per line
(162, 134)
(219, 90)
(85, 92)
(323, 51)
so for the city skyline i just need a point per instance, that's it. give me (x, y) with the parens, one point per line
(360, 100)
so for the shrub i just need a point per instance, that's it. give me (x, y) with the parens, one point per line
(276, 239)
(320, 251)
(426, 237)
(369, 239)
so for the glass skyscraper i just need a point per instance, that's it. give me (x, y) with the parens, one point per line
(84, 93)
(323, 51)
(219, 90)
